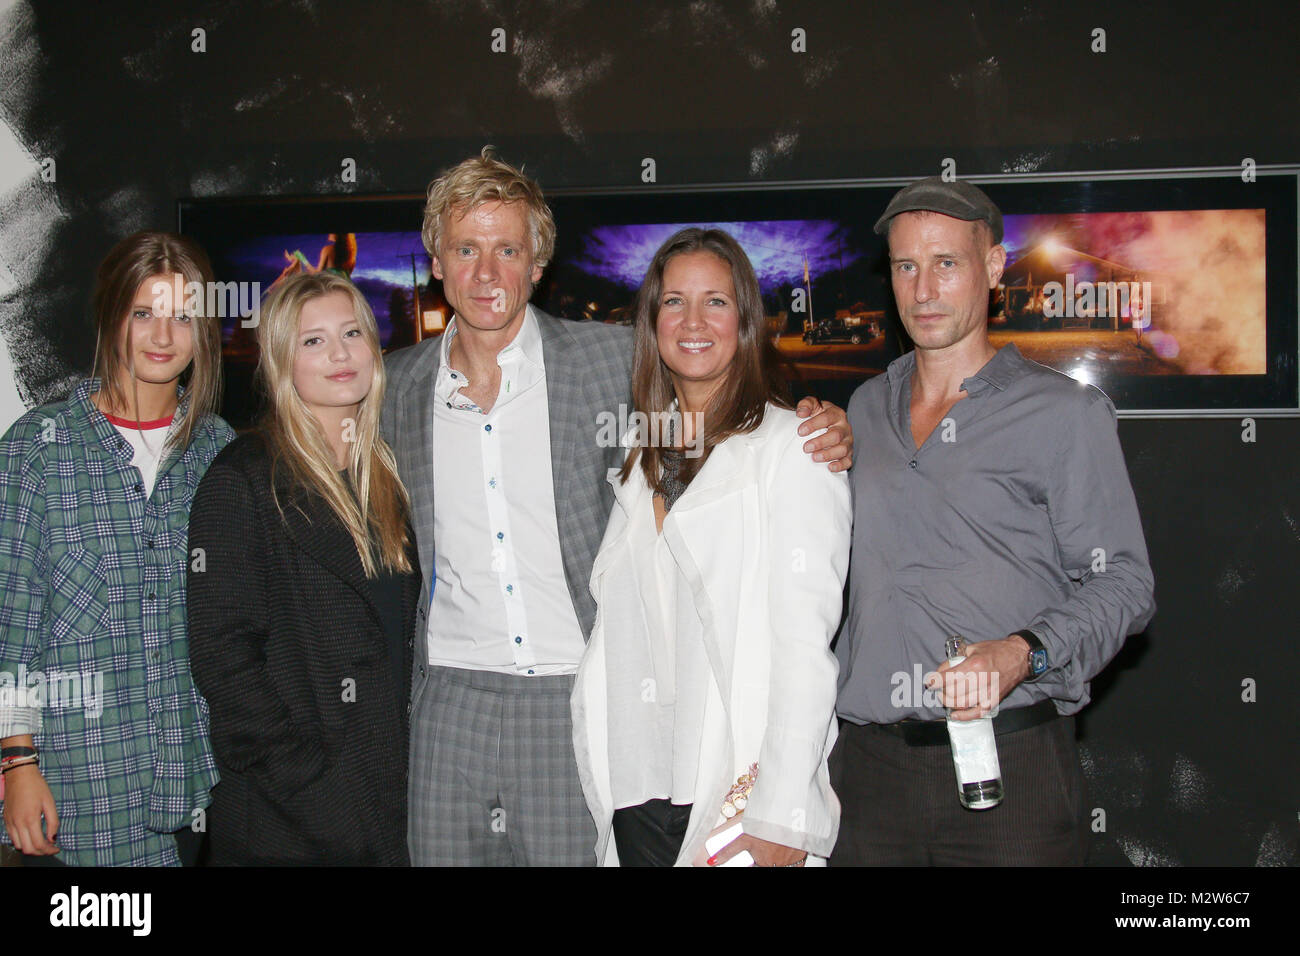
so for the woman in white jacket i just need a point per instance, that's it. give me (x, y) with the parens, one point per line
(719, 586)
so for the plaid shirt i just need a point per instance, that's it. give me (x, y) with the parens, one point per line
(92, 588)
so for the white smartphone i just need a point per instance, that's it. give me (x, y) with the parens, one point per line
(740, 859)
(720, 839)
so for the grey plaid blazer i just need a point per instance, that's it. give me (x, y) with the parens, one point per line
(588, 371)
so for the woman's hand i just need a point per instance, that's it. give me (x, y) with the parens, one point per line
(27, 799)
(763, 852)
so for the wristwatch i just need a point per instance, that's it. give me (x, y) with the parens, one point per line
(1037, 654)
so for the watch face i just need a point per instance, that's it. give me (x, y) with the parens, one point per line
(1038, 661)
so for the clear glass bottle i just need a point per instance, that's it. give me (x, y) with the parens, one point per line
(974, 750)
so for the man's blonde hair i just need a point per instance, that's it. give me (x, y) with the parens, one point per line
(485, 179)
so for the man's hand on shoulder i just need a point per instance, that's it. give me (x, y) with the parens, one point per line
(835, 445)
(1006, 664)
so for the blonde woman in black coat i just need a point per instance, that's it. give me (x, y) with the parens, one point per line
(303, 586)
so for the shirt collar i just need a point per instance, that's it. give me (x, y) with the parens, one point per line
(1003, 368)
(900, 370)
(1006, 365)
(524, 351)
(93, 424)
(527, 343)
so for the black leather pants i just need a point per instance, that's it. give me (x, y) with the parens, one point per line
(650, 834)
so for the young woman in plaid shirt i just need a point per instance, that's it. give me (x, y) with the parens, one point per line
(106, 753)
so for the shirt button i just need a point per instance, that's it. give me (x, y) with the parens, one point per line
(150, 595)
(530, 670)
(449, 404)
(500, 536)
(492, 482)
(139, 487)
(150, 542)
(510, 589)
(518, 639)
(912, 463)
(487, 428)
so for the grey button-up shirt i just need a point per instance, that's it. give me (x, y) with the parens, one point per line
(1017, 512)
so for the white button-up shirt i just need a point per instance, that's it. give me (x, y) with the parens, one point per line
(655, 755)
(501, 602)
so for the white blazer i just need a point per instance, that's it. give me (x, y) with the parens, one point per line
(762, 536)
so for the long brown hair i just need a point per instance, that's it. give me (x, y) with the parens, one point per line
(376, 516)
(125, 268)
(738, 404)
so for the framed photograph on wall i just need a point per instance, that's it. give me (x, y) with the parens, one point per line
(1175, 291)
(374, 240)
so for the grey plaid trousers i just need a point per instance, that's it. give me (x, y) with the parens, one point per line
(497, 782)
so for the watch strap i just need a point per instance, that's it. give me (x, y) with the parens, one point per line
(1038, 663)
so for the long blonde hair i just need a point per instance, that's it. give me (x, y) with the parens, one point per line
(125, 268)
(376, 516)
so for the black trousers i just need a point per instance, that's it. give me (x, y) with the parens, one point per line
(899, 803)
(651, 834)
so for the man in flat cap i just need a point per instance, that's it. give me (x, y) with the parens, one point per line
(991, 502)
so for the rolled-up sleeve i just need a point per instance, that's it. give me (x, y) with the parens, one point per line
(23, 575)
(1094, 518)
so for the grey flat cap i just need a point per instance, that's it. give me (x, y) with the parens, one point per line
(958, 199)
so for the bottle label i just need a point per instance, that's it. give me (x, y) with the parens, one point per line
(974, 750)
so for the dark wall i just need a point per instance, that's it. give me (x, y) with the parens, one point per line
(1186, 772)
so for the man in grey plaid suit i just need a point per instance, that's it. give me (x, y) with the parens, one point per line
(495, 425)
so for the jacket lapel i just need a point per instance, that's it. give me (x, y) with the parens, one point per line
(573, 445)
(417, 455)
(316, 530)
(563, 394)
(725, 473)
(691, 530)
(628, 497)
(721, 476)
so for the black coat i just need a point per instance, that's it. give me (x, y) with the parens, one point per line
(281, 620)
